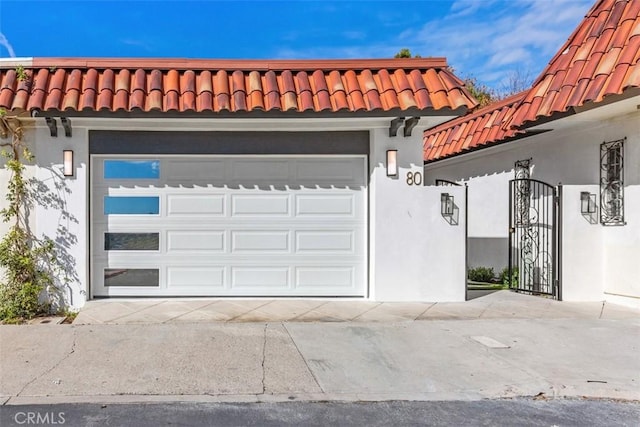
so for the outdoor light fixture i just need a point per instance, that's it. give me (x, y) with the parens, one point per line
(446, 205)
(67, 169)
(392, 162)
(587, 203)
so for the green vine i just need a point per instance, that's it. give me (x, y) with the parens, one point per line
(26, 262)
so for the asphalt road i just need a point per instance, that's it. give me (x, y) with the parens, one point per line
(512, 412)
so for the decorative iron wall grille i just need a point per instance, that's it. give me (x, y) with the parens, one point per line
(612, 182)
(522, 195)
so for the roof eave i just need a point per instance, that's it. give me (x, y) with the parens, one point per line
(522, 135)
(257, 114)
(608, 100)
(182, 64)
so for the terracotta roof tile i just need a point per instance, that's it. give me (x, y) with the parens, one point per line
(6, 87)
(401, 81)
(457, 142)
(546, 104)
(560, 100)
(633, 78)
(487, 126)
(470, 131)
(586, 69)
(145, 85)
(72, 91)
(622, 34)
(578, 93)
(354, 91)
(602, 43)
(271, 91)
(390, 100)
(600, 59)
(385, 81)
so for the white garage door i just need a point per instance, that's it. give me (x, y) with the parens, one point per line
(229, 225)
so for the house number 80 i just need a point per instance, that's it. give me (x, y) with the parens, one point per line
(414, 178)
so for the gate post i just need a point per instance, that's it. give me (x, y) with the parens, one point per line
(510, 231)
(558, 240)
(466, 242)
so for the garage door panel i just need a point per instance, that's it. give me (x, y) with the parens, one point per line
(197, 240)
(193, 276)
(325, 241)
(260, 205)
(261, 226)
(194, 171)
(196, 204)
(325, 205)
(325, 276)
(260, 277)
(258, 172)
(260, 241)
(318, 171)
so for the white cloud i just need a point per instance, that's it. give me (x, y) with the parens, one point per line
(5, 43)
(461, 8)
(486, 39)
(490, 39)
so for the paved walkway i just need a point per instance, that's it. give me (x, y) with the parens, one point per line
(502, 304)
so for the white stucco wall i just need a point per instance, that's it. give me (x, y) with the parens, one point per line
(61, 212)
(414, 254)
(622, 252)
(582, 249)
(65, 217)
(569, 154)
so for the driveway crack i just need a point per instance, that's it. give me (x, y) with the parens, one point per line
(62, 359)
(264, 356)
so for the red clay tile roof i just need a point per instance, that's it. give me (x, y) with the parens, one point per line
(487, 126)
(382, 86)
(601, 58)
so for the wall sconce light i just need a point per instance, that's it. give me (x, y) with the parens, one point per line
(587, 203)
(392, 162)
(446, 205)
(67, 157)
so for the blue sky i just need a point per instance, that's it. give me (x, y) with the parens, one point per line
(487, 39)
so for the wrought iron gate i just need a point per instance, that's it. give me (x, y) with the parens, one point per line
(533, 237)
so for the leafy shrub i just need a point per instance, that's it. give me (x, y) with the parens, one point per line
(481, 274)
(20, 303)
(505, 280)
(25, 262)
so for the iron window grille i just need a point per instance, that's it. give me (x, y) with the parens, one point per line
(612, 182)
(522, 174)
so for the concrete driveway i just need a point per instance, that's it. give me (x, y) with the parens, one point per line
(469, 351)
